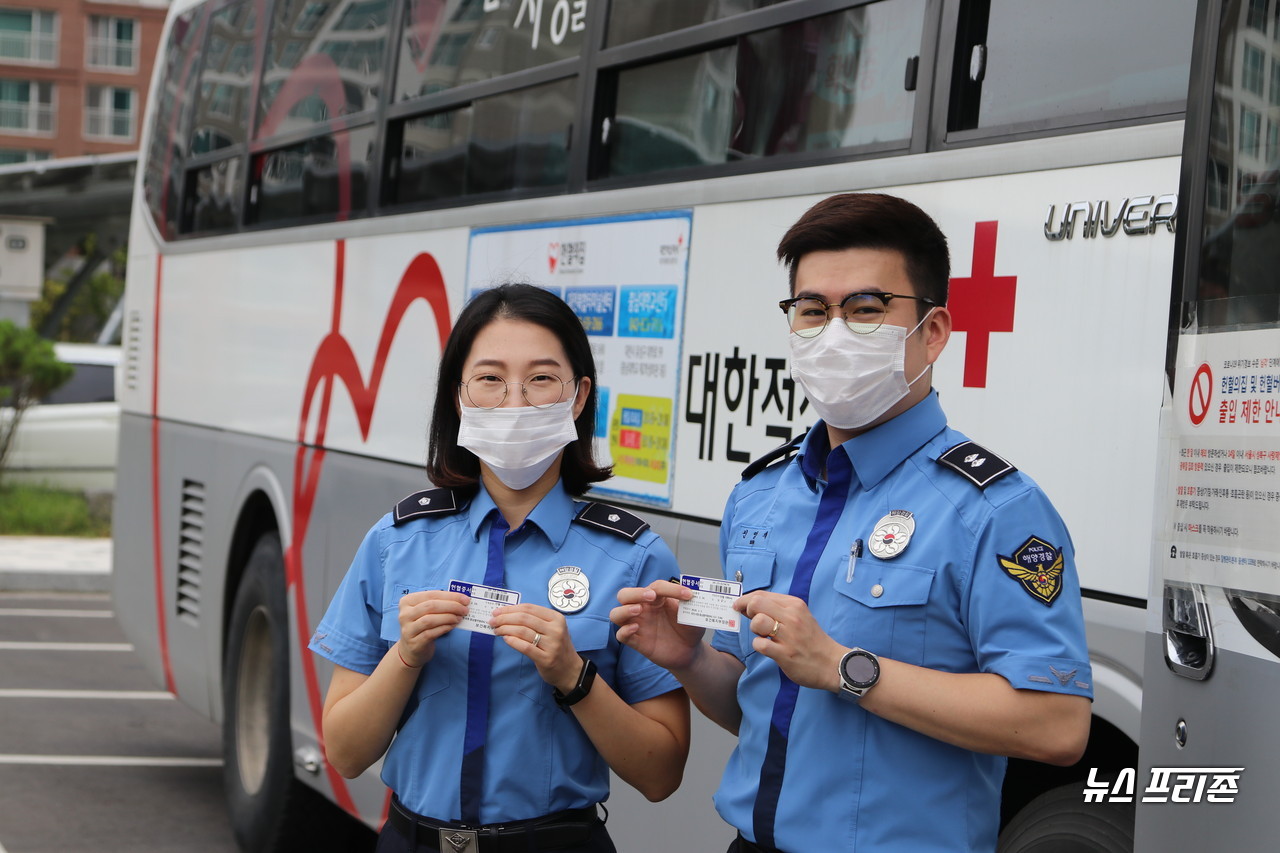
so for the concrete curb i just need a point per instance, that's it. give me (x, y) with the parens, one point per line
(54, 564)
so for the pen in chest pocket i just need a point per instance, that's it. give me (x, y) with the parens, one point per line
(855, 551)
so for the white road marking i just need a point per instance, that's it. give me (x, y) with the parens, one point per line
(107, 761)
(23, 693)
(19, 646)
(59, 614)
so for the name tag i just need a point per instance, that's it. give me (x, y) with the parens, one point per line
(484, 600)
(711, 605)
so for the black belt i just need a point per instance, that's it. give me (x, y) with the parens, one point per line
(569, 828)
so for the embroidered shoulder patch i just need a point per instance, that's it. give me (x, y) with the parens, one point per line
(617, 521)
(425, 504)
(1036, 565)
(976, 464)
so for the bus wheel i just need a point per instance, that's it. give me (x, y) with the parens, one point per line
(1059, 821)
(262, 793)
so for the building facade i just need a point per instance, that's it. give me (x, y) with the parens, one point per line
(74, 75)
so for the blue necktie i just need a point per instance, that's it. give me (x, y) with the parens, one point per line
(830, 507)
(479, 672)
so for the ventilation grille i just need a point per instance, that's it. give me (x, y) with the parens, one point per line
(190, 551)
(132, 347)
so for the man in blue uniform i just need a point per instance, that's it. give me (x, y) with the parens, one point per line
(913, 601)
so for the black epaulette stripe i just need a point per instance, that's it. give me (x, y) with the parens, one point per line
(777, 453)
(425, 504)
(976, 464)
(611, 518)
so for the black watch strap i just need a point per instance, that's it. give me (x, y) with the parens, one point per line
(580, 690)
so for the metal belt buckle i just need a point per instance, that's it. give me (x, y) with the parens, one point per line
(458, 840)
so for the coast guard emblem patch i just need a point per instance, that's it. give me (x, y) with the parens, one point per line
(1037, 565)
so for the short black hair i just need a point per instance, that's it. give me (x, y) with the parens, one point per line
(873, 221)
(456, 467)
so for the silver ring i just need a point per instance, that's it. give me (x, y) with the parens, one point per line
(537, 638)
(774, 632)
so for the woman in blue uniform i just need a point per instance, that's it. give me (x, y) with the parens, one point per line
(500, 721)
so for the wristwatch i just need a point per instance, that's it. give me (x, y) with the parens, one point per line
(859, 672)
(586, 678)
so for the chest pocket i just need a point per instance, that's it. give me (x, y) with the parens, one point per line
(590, 636)
(756, 568)
(884, 608)
(436, 675)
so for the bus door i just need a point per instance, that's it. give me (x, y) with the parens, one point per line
(1208, 760)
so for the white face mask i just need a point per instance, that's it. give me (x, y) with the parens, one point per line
(518, 444)
(852, 379)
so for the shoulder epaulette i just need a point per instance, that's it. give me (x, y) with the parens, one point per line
(976, 464)
(426, 504)
(777, 453)
(610, 518)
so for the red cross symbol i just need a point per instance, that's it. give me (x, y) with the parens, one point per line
(981, 303)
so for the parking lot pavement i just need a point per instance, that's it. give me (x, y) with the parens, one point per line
(93, 756)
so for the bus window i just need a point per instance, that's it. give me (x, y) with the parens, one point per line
(831, 82)
(513, 141)
(448, 43)
(324, 60)
(1240, 253)
(1038, 63)
(634, 21)
(225, 80)
(163, 169)
(212, 197)
(324, 177)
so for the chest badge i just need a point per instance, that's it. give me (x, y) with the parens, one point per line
(568, 590)
(892, 534)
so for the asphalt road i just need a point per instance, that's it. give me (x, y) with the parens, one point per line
(93, 756)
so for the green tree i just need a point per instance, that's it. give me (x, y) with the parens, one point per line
(29, 370)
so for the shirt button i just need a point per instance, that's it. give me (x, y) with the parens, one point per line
(877, 591)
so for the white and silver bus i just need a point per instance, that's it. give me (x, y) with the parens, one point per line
(325, 182)
(1207, 776)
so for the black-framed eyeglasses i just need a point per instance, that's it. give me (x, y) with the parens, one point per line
(540, 390)
(862, 312)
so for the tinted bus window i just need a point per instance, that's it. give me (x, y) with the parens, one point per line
(447, 43)
(827, 83)
(629, 21)
(324, 60)
(162, 174)
(1238, 285)
(324, 177)
(513, 141)
(226, 79)
(212, 197)
(1026, 61)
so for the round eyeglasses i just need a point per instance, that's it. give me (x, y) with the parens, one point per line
(489, 391)
(862, 312)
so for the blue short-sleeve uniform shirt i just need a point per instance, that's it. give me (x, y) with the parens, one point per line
(985, 583)
(538, 759)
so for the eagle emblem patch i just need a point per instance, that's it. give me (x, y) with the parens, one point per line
(1036, 565)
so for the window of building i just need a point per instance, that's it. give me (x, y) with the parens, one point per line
(9, 156)
(1218, 193)
(28, 36)
(1250, 132)
(1275, 82)
(1257, 19)
(1251, 73)
(108, 112)
(26, 107)
(113, 42)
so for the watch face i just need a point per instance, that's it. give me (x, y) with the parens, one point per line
(860, 670)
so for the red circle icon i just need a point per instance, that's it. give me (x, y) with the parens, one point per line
(1201, 395)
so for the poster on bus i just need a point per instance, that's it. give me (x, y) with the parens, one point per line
(625, 279)
(1223, 496)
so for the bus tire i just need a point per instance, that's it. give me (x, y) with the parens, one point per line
(1059, 821)
(263, 797)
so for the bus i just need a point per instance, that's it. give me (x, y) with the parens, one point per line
(1207, 777)
(323, 183)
